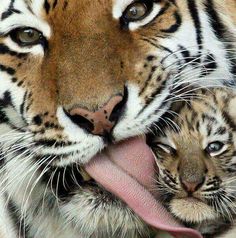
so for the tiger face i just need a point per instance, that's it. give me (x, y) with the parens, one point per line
(75, 75)
(78, 76)
(196, 161)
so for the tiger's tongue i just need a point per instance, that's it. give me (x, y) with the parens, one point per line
(127, 170)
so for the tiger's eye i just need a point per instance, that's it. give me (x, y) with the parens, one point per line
(136, 11)
(28, 36)
(214, 147)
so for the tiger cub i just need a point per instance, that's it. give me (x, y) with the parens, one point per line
(196, 159)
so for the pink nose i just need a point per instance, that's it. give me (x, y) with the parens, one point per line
(192, 186)
(101, 121)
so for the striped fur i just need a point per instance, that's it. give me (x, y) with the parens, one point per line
(88, 53)
(182, 155)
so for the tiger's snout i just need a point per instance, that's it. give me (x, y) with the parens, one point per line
(101, 121)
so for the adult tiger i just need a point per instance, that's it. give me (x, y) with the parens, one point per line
(77, 76)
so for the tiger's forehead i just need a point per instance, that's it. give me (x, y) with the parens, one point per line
(208, 118)
(117, 6)
(73, 17)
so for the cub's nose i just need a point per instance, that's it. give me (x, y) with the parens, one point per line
(102, 121)
(192, 186)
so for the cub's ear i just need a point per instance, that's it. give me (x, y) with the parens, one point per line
(231, 109)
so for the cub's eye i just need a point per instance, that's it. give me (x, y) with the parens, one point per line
(27, 36)
(163, 148)
(137, 10)
(215, 148)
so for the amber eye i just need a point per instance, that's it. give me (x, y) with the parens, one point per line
(137, 10)
(26, 36)
(215, 148)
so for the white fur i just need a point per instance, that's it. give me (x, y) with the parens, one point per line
(17, 93)
(36, 50)
(6, 228)
(4, 5)
(88, 145)
(210, 43)
(192, 211)
(36, 6)
(129, 125)
(212, 138)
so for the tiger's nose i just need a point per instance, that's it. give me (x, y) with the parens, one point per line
(192, 186)
(102, 121)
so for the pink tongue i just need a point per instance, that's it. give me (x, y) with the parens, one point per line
(124, 171)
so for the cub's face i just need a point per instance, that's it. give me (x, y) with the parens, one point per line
(196, 160)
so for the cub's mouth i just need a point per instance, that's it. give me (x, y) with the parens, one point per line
(192, 210)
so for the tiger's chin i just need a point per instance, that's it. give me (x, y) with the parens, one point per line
(191, 210)
(94, 212)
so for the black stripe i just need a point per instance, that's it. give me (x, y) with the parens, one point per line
(160, 47)
(160, 13)
(185, 54)
(216, 24)
(209, 65)
(53, 143)
(6, 100)
(10, 11)
(150, 77)
(54, 4)
(220, 131)
(229, 121)
(195, 16)
(7, 69)
(47, 6)
(188, 58)
(5, 50)
(176, 25)
(221, 32)
(158, 91)
(2, 159)
(22, 106)
(65, 5)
